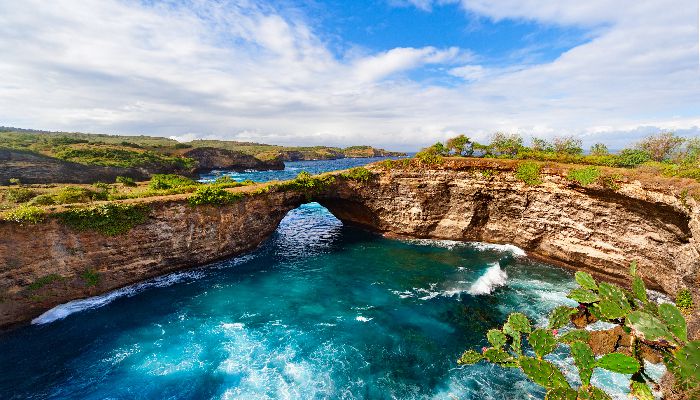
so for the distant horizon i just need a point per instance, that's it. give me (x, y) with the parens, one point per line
(395, 74)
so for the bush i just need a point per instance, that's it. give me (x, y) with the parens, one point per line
(630, 158)
(660, 147)
(360, 174)
(599, 149)
(541, 145)
(684, 300)
(14, 181)
(109, 219)
(568, 145)
(506, 145)
(43, 200)
(169, 181)
(460, 145)
(529, 172)
(90, 277)
(43, 281)
(429, 156)
(126, 181)
(584, 176)
(75, 194)
(19, 195)
(26, 214)
(213, 195)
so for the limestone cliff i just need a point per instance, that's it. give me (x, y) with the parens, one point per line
(595, 228)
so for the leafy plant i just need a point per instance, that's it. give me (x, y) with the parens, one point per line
(19, 194)
(529, 172)
(631, 158)
(75, 194)
(26, 214)
(43, 281)
(213, 195)
(126, 181)
(429, 156)
(90, 277)
(662, 328)
(684, 301)
(584, 176)
(360, 174)
(169, 181)
(14, 181)
(109, 219)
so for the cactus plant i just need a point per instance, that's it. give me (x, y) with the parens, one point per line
(516, 345)
(583, 296)
(560, 317)
(470, 357)
(648, 327)
(496, 338)
(542, 342)
(561, 394)
(584, 361)
(618, 362)
(592, 393)
(685, 365)
(639, 289)
(613, 304)
(574, 335)
(543, 373)
(499, 356)
(519, 322)
(641, 391)
(585, 280)
(674, 320)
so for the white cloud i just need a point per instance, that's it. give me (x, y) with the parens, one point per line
(241, 70)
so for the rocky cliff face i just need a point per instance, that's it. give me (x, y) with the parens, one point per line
(209, 158)
(591, 228)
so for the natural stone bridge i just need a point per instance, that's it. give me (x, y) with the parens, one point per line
(593, 228)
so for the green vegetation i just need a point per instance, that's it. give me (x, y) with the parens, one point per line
(170, 181)
(90, 277)
(26, 214)
(19, 195)
(360, 174)
(307, 183)
(431, 156)
(213, 195)
(110, 219)
(659, 328)
(126, 181)
(584, 176)
(684, 301)
(119, 157)
(43, 281)
(529, 172)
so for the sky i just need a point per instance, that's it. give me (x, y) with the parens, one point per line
(399, 74)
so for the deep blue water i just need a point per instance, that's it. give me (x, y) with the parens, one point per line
(320, 311)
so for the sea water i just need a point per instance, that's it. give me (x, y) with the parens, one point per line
(319, 311)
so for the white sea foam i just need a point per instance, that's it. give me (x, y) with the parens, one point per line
(63, 310)
(491, 279)
(362, 319)
(451, 244)
(514, 250)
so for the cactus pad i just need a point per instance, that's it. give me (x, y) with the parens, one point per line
(586, 281)
(543, 373)
(542, 342)
(592, 393)
(614, 302)
(574, 335)
(674, 320)
(584, 361)
(499, 356)
(583, 296)
(561, 394)
(618, 362)
(640, 391)
(496, 338)
(648, 327)
(516, 345)
(519, 322)
(470, 357)
(686, 365)
(639, 289)
(560, 316)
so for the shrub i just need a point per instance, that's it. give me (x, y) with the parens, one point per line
(43, 281)
(660, 147)
(360, 174)
(460, 145)
(14, 181)
(90, 277)
(428, 156)
(568, 145)
(630, 158)
(182, 146)
(224, 179)
(541, 145)
(43, 200)
(126, 181)
(169, 181)
(213, 195)
(684, 301)
(109, 219)
(529, 172)
(611, 181)
(19, 194)
(659, 328)
(26, 214)
(75, 194)
(599, 149)
(503, 144)
(584, 176)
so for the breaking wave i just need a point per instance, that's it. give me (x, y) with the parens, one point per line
(491, 279)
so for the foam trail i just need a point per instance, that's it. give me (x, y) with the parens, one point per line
(491, 279)
(63, 310)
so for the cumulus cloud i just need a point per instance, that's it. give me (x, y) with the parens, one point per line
(243, 70)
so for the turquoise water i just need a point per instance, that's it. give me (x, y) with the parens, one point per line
(319, 311)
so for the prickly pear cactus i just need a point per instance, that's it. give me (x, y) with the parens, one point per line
(543, 373)
(574, 335)
(641, 391)
(583, 296)
(560, 317)
(584, 361)
(499, 356)
(586, 281)
(592, 393)
(639, 289)
(561, 394)
(618, 362)
(496, 338)
(613, 304)
(470, 357)
(519, 322)
(542, 342)
(648, 327)
(516, 345)
(686, 366)
(674, 321)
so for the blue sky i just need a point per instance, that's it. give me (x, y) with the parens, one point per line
(393, 73)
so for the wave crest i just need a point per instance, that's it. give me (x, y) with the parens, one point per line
(491, 279)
